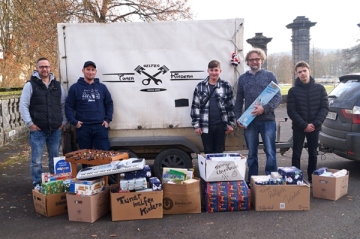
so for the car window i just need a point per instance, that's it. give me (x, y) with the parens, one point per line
(346, 94)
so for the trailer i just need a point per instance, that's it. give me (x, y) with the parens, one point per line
(151, 70)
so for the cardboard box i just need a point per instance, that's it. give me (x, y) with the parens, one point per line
(182, 198)
(88, 208)
(229, 170)
(135, 205)
(225, 196)
(280, 197)
(328, 187)
(49, 205)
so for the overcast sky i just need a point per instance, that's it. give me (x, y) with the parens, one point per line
(336, 21)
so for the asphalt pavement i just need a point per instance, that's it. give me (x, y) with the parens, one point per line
(325, 219)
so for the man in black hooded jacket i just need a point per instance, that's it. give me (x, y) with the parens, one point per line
(307, 107)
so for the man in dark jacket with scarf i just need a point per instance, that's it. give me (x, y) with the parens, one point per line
(307, 107)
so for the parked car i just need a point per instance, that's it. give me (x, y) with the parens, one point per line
(340, 132)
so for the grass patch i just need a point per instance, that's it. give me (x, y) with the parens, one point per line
(16, 153)
(14, 159)
(10, 93)
(285, 88)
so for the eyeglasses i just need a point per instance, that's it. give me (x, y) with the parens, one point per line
(44, 67)
(254, 59)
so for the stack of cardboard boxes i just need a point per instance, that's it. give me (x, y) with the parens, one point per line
(223, 185)
(50, 200)
(289, 194)
(222, 188)
(181, 196)
(137, 196)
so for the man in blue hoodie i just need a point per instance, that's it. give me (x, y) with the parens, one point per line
(89, 107)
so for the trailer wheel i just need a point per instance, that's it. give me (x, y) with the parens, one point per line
(171, 158)
(131, 154)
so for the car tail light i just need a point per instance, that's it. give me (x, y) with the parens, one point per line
(353, 114)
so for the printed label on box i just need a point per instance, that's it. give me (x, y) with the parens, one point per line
(61, 165)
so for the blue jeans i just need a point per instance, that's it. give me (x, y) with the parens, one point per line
(267, 130)
(38, 139)
(93, 136)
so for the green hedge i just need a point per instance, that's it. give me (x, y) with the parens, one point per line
(285, 88)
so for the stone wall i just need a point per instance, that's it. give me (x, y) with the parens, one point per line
(12, 127)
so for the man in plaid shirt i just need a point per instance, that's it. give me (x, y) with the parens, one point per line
(212, 110)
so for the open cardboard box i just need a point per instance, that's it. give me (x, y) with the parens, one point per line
(182, 198)
(231, 169)
(280, 197)
(49, 205)
(328, 187)
(135, 205)
(88, 208)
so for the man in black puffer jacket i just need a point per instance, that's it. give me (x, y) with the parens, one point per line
(307, 107)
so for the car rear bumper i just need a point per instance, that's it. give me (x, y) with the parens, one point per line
(341, 146)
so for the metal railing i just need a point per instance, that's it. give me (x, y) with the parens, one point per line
(12, 127)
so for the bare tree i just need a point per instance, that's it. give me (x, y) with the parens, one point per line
(326, 63)
(282, 66)
(28, 28)
(316, 63)
(351, 57)
(106, 11)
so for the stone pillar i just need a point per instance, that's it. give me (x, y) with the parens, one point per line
(260, 41)
(300, 39)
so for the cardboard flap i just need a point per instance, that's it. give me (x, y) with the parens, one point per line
(218, 170)
(182, 188)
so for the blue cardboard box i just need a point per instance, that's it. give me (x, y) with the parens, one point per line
(266, 95)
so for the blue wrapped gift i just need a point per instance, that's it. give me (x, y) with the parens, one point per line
(291, 175)
(155, 184)
(320, 171)
(142, 173)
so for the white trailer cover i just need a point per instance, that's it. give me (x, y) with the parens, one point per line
(151, 69)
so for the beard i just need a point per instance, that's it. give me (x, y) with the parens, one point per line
(255, 67)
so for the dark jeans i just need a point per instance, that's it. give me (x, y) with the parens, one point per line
(214, 141)
(92, 136)
(312, 143)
